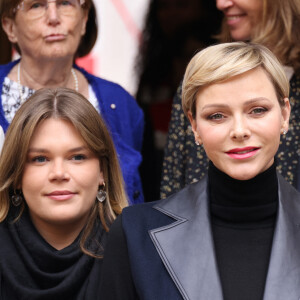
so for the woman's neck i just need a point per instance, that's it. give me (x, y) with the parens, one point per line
(250, 201)
(44, 73)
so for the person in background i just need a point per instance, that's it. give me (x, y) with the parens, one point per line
(275, 24)
(174, 30)
(50, 35)
(61, 187)
(235, 234)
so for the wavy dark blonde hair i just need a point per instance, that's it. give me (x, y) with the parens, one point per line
(68, 105)
(279, 30)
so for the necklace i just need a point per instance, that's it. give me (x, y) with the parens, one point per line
(75, 79)
(20, 86)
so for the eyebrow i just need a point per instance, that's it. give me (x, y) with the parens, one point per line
(222, 105)
(42, 150)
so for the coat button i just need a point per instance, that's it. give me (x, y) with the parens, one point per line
(113, 106)
(136, 194)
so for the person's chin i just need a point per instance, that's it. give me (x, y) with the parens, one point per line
(239, 35)
(243, 173)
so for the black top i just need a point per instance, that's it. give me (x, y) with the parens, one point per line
(243, 215)
(30, 268)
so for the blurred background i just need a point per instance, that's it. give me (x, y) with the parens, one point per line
(120, 27)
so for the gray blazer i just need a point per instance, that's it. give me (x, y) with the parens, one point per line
(194, 278)
(169, 249)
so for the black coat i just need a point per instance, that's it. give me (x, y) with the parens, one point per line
(164, 250)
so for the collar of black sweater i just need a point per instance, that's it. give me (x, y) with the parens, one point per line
(252, 203)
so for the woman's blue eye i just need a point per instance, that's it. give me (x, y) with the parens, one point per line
(78, 157)
(35, 5)
(39, 159)
(65, 3)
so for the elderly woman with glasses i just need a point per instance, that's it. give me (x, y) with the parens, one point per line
(50, 35)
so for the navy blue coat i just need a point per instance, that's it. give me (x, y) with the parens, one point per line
(169, 251)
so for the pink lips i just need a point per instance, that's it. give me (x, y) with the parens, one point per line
(242, 153)
(55, 37)
(61, 195)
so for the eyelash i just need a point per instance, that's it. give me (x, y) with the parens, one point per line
(220, 116)
(215, 116)
(261, 110)
(37, 159)
(81, 156)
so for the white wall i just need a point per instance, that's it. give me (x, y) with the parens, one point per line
(120, 24)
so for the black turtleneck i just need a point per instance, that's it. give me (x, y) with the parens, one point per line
(243, 215)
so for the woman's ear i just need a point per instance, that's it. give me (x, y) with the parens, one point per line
(101, 179)
(85, 19)
(285, 111)
(8, 26)
(194, 128)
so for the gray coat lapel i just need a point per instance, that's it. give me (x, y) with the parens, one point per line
(186, 246)
(283, 280)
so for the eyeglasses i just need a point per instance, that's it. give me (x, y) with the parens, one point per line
(35, 9)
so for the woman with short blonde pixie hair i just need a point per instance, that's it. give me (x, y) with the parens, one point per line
(214, 64)
(274, 24)
(234, 234)
(61, 188)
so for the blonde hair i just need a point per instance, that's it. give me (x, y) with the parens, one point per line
(279, 30)
(224, 61)
(65, 104)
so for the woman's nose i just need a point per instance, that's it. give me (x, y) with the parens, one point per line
(52, 13)
(240, 130)
(223, 4)
(58, 171)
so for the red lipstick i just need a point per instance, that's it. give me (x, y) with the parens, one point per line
(242, 153)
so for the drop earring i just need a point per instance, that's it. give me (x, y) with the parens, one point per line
(17, 198)
(101, 195)
(197, 143)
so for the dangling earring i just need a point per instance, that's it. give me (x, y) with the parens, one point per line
(197, 143)
(17, 198)
(101, 196)
(284, 132)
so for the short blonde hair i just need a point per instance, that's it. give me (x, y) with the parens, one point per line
(223, 61)
(68, 105)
